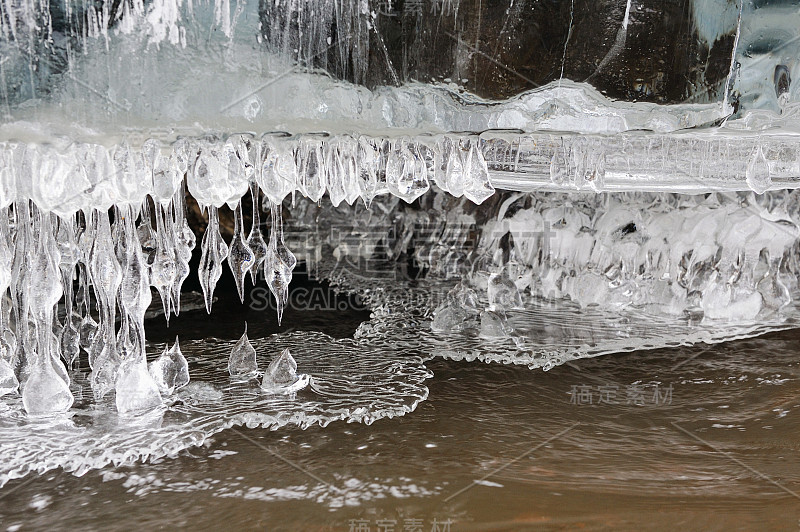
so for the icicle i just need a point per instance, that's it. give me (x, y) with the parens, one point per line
(336, 174)
(406, 173)
(46, 391)
(757, 173)
(8, 340)
(349, 167)
(477, 187)
(136, 391)
(242, 362)
(312, 171)
(454, 174)
(214, 251)
(279, 263)
(278, 174)
(368, 157)
(146, 235)
(184, 239)
(255, 241)
(106, 276)
(163, 272)
(240, 256)
(69, 338)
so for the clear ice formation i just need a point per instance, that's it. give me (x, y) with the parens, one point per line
(242, 363)
(376, 384)
(555, 225)
(281, 375)
(8, 380)
(170, 371)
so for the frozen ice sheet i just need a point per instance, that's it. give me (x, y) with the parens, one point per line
(351, 381)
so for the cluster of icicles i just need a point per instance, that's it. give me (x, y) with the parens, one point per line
(721, 257)
(117, 257)
(64, 179)
(117, 220)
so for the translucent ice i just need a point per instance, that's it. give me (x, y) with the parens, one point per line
(214, 251)
(45, 392)
(281, 376)
(163, 272)
(448, 317)
(406, 172)
(170, 371)
(242, 362)
(477, 187)
(255, 240)
(240, 256)
(136, 390)
(503, 293)
(494, 324)
(8, 381)
(279, 263)
(278, 174)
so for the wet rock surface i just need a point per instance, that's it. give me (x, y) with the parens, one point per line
(647, 51)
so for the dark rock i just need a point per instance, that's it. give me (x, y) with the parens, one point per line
(500, 48)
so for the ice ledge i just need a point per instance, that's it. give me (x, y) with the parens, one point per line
(64, 177)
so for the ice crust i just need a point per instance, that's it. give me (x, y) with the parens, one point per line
(350, 381)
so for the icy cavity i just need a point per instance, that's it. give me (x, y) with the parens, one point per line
(349, 380)
(540, 279)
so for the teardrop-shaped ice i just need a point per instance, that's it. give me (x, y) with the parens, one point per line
(70, 342)
(757, 173)
(494, 324)
(503, 293)
(45, 392)
(279, 263)
(8, 381)
(454, 175)
(477, 187)
(163, 272)
(278, 175)
(134, 292)
(312, 172)
(240, 256)
(104, 370)
(136, 391)
(281, 376)
(242, 362)
(170, 371)
(214, 251)
(406, 174)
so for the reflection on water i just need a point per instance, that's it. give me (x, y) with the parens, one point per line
(483, 452)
